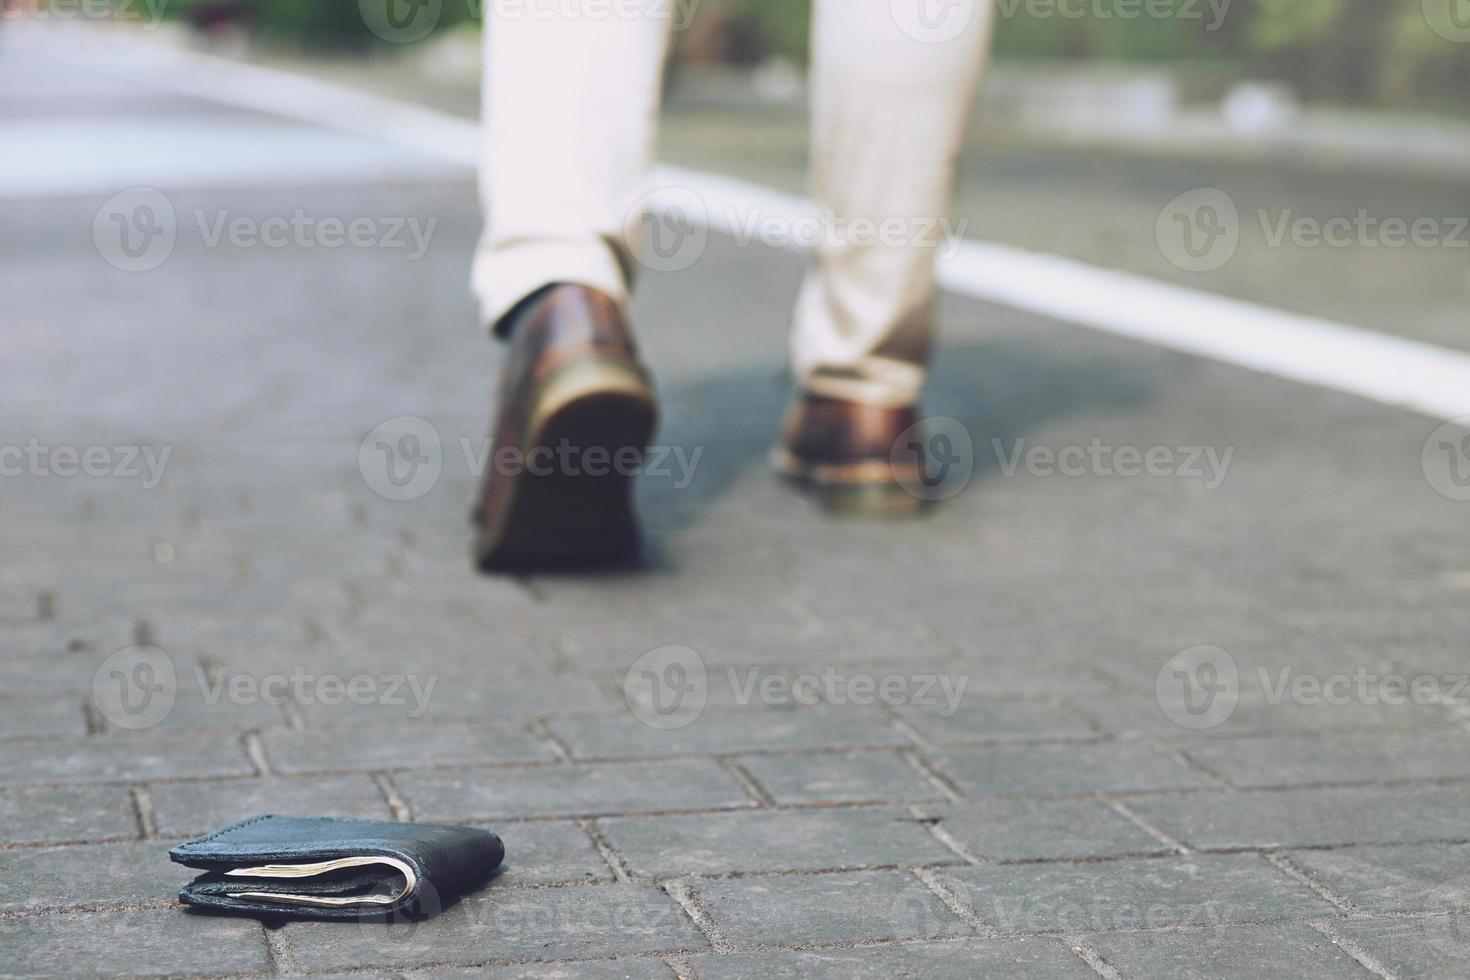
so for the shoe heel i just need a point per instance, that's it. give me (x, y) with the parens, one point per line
(573, 502)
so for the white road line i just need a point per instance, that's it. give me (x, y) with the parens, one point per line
(1432, 380)
(1421, 377)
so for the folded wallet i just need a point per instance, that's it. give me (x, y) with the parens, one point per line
(330, 868)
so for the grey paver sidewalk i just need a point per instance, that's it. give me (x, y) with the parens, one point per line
(1059, 821)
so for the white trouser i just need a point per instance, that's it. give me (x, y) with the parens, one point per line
(571, 109)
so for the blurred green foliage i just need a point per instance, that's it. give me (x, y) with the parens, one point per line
(1362, 51)
(315, 23)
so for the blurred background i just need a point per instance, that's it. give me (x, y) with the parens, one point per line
(1299, 110)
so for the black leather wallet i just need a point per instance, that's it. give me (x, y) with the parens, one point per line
(331, 868)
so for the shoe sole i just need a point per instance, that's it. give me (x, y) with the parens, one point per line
(867, 488)
(559, 518)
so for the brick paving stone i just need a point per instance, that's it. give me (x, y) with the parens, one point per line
(1202, 889)
(1432, 948)
(202, 708)
(1397, 878)
(1310, 817)
(233, 639)
(996, 680)
(1137, 715)
(959, 959)
(46, 814)
(1226, 953)
(302, 752)
(538, 851)
(757, 649)
(627, 969)
(37, 716)
(571, 790)
(984, 721)
(189, 809)
(64, 639)
(500, 924)
(827, 908)
(69, 675)
(1026, 830)
(791, 840)
(728, 731)
(1261, 762)
(473, 698)
(726, 687)
(1103, 767)
(162, 941)
(423, 641)
(838, 777)
(124, 759)
(88, 874)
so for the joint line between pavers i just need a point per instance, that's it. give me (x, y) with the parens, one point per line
(1363, 958)
(295, 720)
(542, 731)
(932, 776)
(748, 782)
(937, 829)
(280, 957)
(1093, 959)
(145, 632)
(953, 901)
(680, 968)
(609, 854)
(683, 892)
(1188, 762)
(1283, 863)
(397, 805)
(96, 724)
(1147, 826)
(255, 752)
(907, 731)
(143, 809)
(82, 908)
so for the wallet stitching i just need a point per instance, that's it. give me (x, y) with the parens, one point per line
(245, 823)
(225, 830)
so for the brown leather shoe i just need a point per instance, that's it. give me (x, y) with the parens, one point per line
(843, 451)
(575, 416)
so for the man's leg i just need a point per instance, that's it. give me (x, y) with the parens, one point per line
(571, 109)
(892, 91)
(893, 83)
(571, 102)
